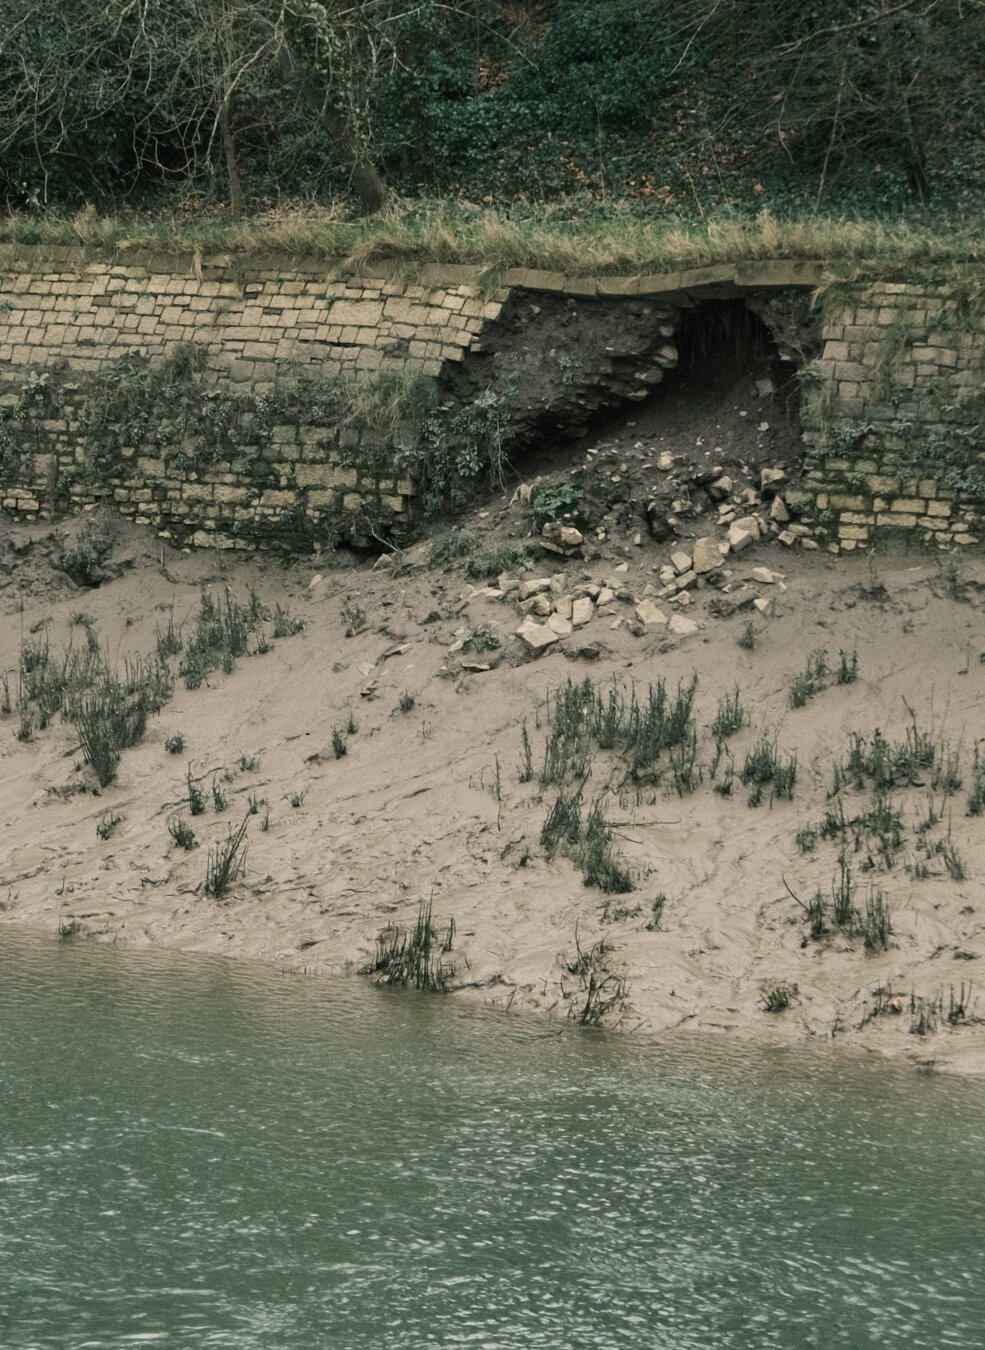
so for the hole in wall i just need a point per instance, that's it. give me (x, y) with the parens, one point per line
(722, 342)
(730, 373)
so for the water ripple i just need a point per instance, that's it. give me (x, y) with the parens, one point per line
(195, 1153)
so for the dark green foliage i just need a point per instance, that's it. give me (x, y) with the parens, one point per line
(93, 545)
(218, 638)
(875, 922)
(181, 832)
(563, 823)
(838, 910)
(107, 722)
(107, 824)
(285, 623)
(676, 104)
(886, 764)
(222, 632)
(810, 681)
(976, 797)
(196, 798)
(452, 545)
(567, 755)
(764, 768)
(169, 642)
(777, 998)
(109, 709)
(847, 667)
(747, 638)
(226, 862)
(414, 959)
(558, 501)
(730, 717)
(506, 558)
(459, 448)
(340, 745)
(598, 864)
(875, 833)
(598, 990)
(526, 770)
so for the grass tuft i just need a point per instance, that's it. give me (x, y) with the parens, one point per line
(226, 862)
(414, 959)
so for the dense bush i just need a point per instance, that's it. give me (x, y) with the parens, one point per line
(689, 105)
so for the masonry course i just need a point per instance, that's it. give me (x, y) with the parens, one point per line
(892, 419)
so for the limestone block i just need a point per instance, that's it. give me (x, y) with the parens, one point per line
(706, 556)
(648, 613)
(582, 611)
(536, 637)
(541, 605)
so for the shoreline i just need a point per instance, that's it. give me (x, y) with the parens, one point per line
(428, 799)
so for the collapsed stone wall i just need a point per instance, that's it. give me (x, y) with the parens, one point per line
(256, 446)
(894, 417)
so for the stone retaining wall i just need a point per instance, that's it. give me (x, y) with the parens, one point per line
(260, 323)
(893, 415)
(894, 418)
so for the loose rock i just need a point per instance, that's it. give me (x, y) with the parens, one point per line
(648, 613)
(536, 637)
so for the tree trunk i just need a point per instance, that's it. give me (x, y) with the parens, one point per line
(366, 181)
(232, 160)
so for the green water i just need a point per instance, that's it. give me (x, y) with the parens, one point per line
(204, 1154)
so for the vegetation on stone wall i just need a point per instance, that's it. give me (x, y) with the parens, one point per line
(570, 239)
(133, 426)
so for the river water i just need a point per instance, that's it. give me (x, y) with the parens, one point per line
(198, 1153)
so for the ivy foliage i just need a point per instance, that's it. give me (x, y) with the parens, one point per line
(683, 105)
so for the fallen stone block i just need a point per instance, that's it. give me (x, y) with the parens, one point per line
(706, 556)
(536, 637)
(582, 611)
(648, 613)
(537, 604)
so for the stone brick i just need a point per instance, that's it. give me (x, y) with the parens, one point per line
(897, 519)
(356, 313)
